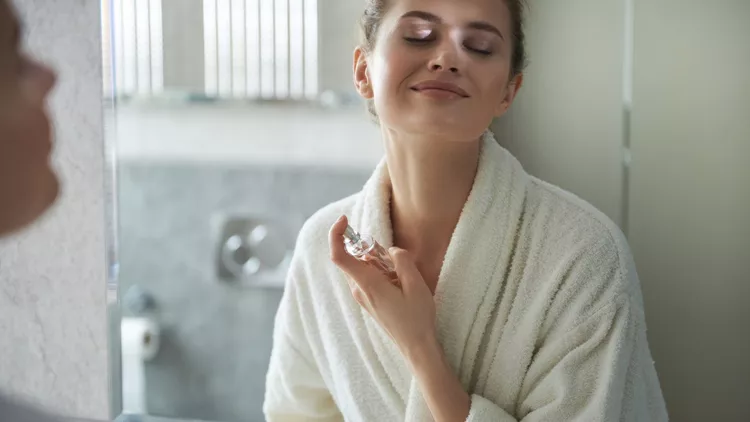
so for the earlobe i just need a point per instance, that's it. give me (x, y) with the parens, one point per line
(366, 90)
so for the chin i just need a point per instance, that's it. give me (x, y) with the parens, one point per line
(446, 126)
(29, 208)
(49, 191)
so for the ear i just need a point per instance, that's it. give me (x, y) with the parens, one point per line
(513, 87)
(361, 76)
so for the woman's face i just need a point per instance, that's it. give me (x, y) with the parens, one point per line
(28, 186)
(440, 67)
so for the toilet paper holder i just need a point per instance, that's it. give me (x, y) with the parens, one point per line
(140, 338)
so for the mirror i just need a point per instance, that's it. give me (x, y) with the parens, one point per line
(231, 122)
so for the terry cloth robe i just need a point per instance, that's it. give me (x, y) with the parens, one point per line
(539, 312)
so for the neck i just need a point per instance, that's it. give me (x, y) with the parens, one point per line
(431, 180)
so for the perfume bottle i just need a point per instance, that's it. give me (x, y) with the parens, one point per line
(366, 249)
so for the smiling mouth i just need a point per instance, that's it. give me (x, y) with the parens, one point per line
(440, 89)
(439, 94)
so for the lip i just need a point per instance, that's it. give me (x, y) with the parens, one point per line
(437, 86)
(48, 144)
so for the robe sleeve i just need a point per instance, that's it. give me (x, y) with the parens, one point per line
(295, 389)
(599, 370)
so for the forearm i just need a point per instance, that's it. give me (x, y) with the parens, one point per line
(441, 388)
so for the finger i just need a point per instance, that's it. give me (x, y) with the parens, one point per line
(361, 298)
(410, 277)
(365, 276)
(339, 255)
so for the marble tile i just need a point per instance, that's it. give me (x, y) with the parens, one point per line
(52, 277)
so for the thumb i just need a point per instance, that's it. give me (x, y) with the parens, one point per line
(410, 277)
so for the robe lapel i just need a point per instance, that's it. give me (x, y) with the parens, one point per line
(372, 216)
(472, 278)
(476, 262)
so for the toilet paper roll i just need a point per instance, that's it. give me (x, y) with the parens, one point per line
(139, 343)
(140, 337)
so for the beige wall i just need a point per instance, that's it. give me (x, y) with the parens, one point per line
(339, 34)
(690, 202)
(566, 125)
(53, 341)
(182, 31)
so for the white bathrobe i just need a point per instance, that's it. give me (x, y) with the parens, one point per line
(539, 312)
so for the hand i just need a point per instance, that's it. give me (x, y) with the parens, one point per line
(407, 313)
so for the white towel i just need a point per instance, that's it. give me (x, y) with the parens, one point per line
(539, 313)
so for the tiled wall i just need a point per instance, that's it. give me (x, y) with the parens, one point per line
(216, 335)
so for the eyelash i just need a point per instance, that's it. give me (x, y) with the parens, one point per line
(417, 40)
(478, 51)
(422, 41)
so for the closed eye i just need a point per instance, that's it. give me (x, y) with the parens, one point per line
(417, 40)
(478, 50)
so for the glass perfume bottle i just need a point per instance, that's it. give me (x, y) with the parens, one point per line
(366, 249)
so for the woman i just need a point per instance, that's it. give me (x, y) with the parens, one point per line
(518, 301)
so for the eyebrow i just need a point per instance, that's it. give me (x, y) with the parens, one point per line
(429, 17)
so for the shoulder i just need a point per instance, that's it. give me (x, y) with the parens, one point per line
(587, 257)
(572, 218)
(313, 236)
(311, 273)
(311, 257)
(571, 225)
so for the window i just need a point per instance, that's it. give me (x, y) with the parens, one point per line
(132, 53)
(252, 49)
(261, 48)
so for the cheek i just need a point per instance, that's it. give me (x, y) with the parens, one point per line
(493, 84)
(394, 64)
(27, 182)
(27, 142)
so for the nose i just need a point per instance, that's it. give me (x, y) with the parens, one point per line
(445, 59)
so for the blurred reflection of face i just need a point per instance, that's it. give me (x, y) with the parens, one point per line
(28, 185)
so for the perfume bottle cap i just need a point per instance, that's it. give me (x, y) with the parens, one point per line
(351, 235)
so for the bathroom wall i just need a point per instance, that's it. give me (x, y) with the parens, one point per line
(281, 133)
(182, 27)
(216, 335)
(689, 226)
(566, 125)
(52, 278)
(339, 34)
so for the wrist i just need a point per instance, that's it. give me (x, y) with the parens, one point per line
(424, 353)
(441, 388)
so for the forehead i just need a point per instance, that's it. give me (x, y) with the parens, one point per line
(457, 12)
